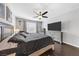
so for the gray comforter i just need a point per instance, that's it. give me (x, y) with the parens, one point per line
(34, 36)
(31, 43)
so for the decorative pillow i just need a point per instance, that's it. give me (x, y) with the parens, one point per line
(23, 35)
(17, 38)
(23, 32)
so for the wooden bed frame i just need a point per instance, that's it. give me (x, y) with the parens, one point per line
(42, 50)
(39, 52)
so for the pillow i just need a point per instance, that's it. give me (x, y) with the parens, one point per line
(23, 35)
(17, 38)
(24, 32)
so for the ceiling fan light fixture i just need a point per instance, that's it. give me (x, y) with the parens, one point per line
(39, 17)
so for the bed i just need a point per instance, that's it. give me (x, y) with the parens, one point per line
(32, 44)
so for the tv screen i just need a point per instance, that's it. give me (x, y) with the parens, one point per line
(55, 26)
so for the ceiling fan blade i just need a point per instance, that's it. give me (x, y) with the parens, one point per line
(44, 16)
(36, 13)
(45, 13)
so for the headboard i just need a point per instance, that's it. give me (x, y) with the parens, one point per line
(5, 30)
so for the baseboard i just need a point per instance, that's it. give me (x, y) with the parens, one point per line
(67, 44)
(70, 44)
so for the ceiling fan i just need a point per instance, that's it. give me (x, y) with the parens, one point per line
(41, 15)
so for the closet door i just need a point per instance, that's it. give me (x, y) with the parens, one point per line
(31, 27)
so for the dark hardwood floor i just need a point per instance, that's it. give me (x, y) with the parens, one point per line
(7, 51)
(62, 50)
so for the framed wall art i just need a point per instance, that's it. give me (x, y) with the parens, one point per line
(8, 14)
(2, 10)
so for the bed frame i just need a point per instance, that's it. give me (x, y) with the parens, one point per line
(42, 50)
(38, 52)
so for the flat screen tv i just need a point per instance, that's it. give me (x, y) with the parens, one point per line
(55, 26)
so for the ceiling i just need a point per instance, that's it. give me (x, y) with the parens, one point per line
(54, 9)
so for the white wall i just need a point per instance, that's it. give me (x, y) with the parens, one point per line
(56, 35)
(70, 27)
(4, 20)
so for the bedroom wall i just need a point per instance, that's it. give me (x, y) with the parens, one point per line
(70, 27)
(30, 26)
(56, 35)
(13, 16)
(4, 20)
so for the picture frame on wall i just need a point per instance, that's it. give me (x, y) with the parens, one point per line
(8, 14)
(2, 11)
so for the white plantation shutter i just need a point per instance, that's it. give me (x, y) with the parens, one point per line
(31, 27)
